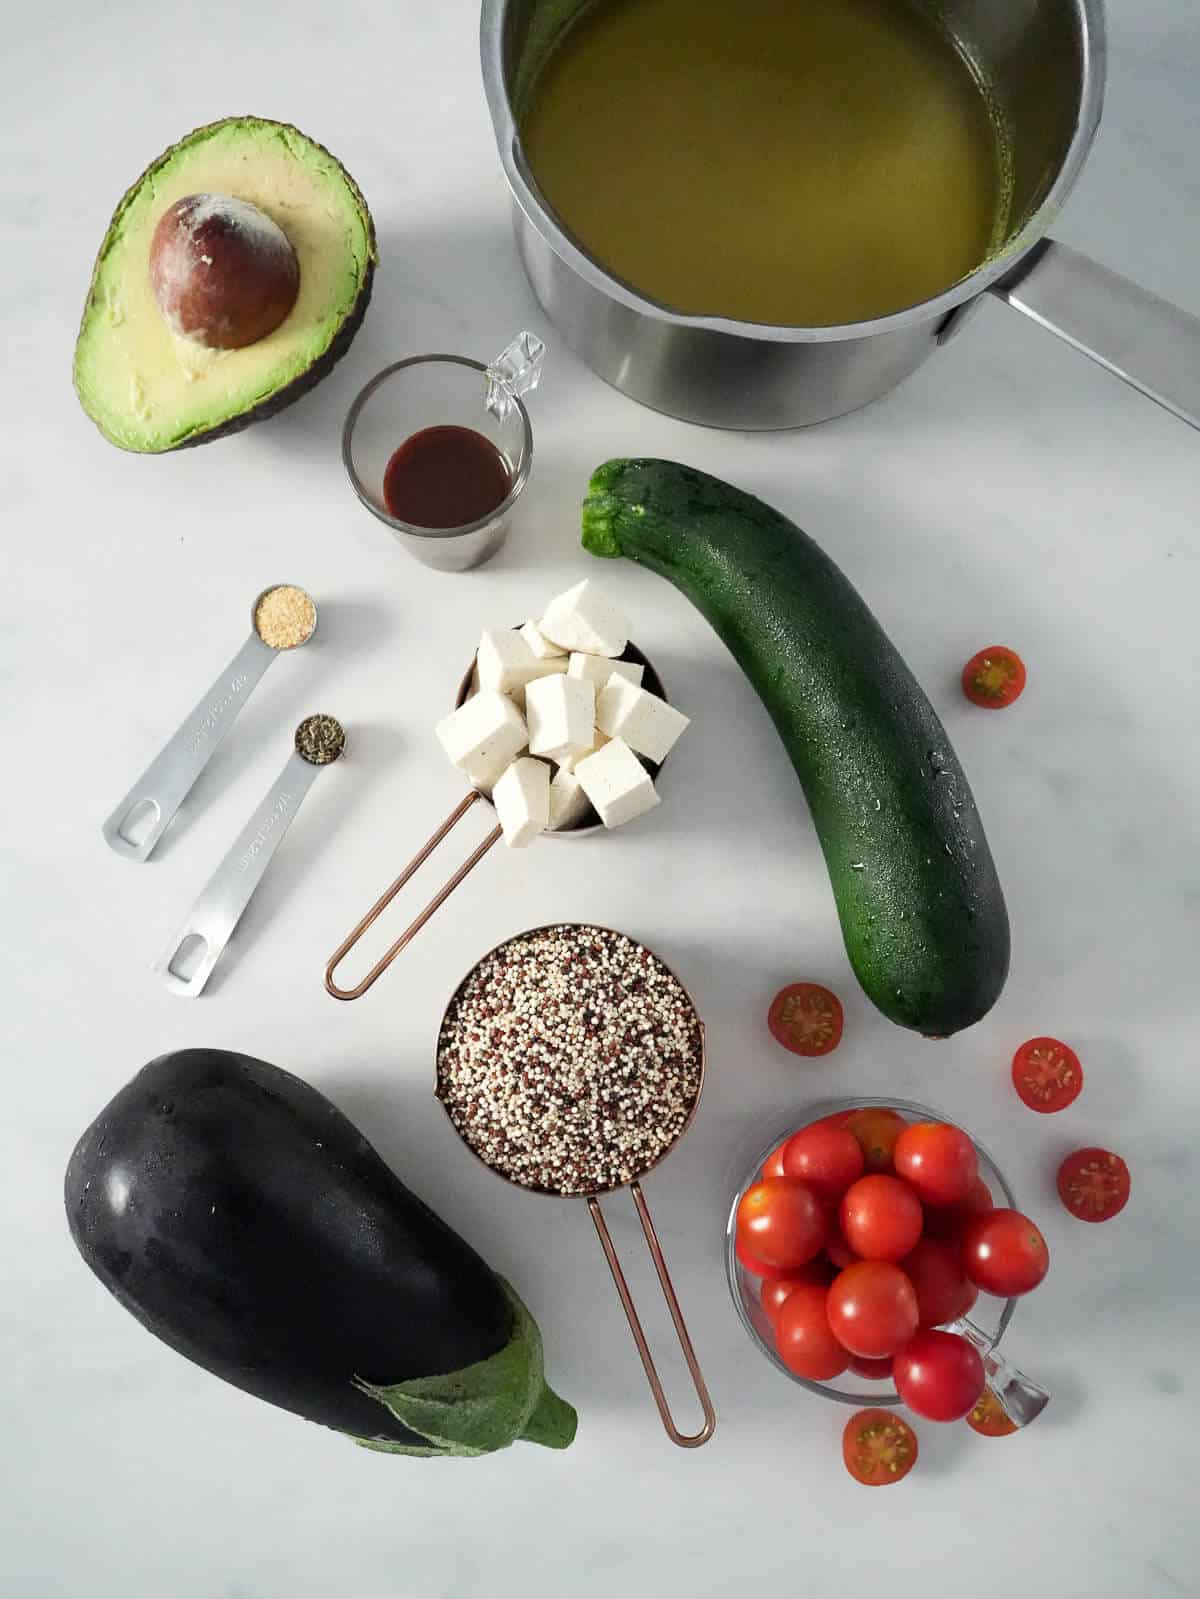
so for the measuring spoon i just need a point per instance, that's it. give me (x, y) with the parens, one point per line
(212, 919)
(164, 785)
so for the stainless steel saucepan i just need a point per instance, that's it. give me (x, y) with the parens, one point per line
(1044, 61)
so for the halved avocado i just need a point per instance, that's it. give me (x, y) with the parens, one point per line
(147, 389)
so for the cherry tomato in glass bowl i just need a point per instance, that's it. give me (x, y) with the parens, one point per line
(872, 1308)
(775, 1290)
(837, 1250)
(994, 678)
(877, 1128)
(825, 1156)
(876, 1370)
(939, 1375)
(755, 1266)
(1004, 1253)
(1047, 1075)
(948, 1221)
(1093, 1184)
(880, 1217)
(803, 1337)
(806, 1018)
(943, 1290)
(988, 1417)
(938, 1161)
(773, 1165)
(878, 1447)
(781, 1221)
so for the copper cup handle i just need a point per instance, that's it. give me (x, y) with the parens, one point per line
(684, 1440)
(386, 898)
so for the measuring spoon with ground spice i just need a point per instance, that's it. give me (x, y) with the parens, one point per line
(187, 963)
(282, 618)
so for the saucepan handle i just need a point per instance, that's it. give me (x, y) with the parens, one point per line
(684, 1440)
(386, 898)
(1148, 342)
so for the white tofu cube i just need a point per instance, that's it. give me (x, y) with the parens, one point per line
(484, 734)
(486, 771)
(582, 619)
(598, 669)
(568, 760)
(522, 801)
(545, 649)
(647, 724)
(617, 783)
(561, 712)
(504, 661)
(568, 802)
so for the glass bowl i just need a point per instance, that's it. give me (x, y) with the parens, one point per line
(989, 1317)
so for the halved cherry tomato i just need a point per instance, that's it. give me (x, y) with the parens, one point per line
(803, 1337)
(988, 1418)
(773, 1165)
(939, 1375)
(877, 1130)
(942, 1287)
(877, 1370)
(878, 1447)
(824, 1156)
(881, 1217)
(1004, 1253)
(938, 1160)
(806, 1018)
(773, 1292)
(994, 677)
(872, 1308)
(1093, 1184)
(1046, 1074)
(948, 1221)
(755, 1266)
(781, 1221)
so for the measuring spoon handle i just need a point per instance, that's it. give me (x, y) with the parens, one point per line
(166, 781)
(228, 891)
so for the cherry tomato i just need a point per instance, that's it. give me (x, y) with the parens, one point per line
(826, 1157)
(994, 677)
(803, 1337)
(806, 1018)
(1093, 1184)
(773, 1292)
(781, 1221)
(872, 1308)
(836, 1247)
(879, 1447)
(948, 1221)
(1003, 1253)
(939, 1375)
(988, 1418)
(755, 1266)
(773, 1165)
(877, 1130)
(1047, 1074)
(877, 1370)
(881, 1217)
(938, 1160)
(942, 1287)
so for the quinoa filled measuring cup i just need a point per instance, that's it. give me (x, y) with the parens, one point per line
(570, 1060)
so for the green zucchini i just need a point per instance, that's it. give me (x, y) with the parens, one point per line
(917, 893)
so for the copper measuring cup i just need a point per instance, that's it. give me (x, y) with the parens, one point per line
(684, 1440)
(466, 688)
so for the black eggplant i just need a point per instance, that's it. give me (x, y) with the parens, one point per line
(247, 1223)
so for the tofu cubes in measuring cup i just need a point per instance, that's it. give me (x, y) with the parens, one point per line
(556, 721)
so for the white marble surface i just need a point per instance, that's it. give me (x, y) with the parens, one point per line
(1010, 491)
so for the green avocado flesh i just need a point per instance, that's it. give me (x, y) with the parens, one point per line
(922, 912)
(147, 389)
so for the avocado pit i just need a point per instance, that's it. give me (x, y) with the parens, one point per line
(224, 273)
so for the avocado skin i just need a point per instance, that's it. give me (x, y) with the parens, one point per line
(312, 375)
(248, 1224)
(920, 904)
